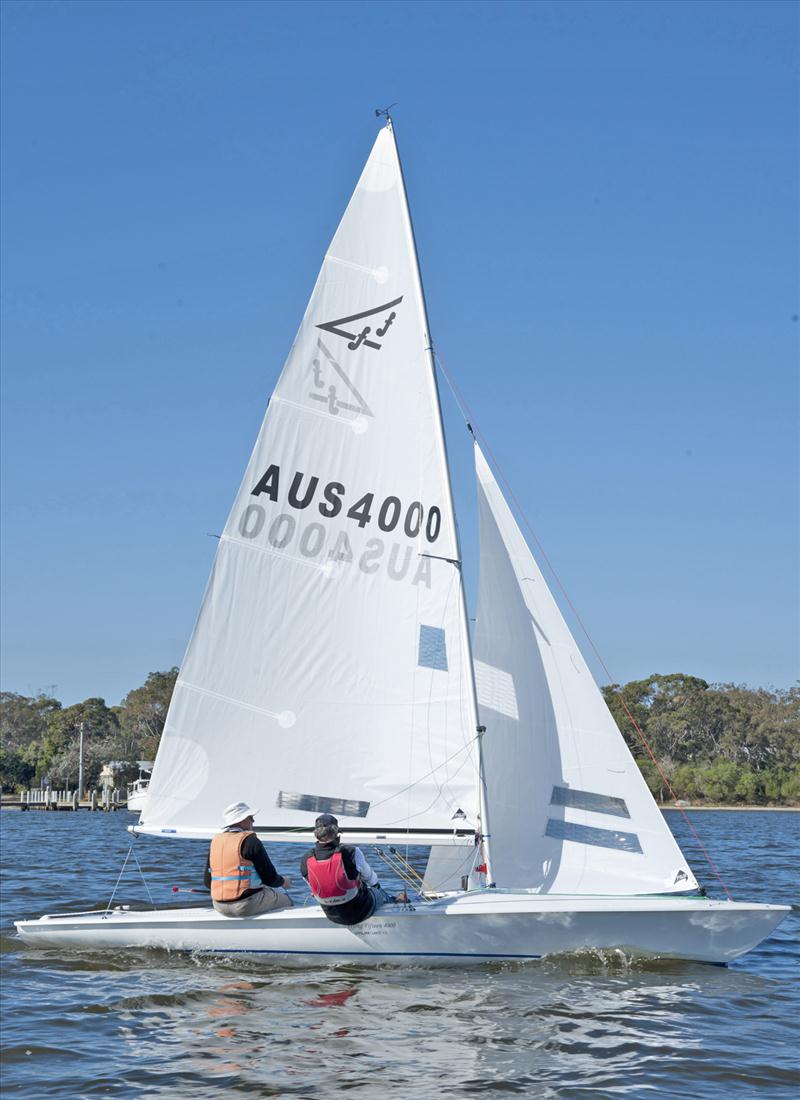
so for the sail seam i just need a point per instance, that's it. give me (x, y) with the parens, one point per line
(375, 272)
(320, 567)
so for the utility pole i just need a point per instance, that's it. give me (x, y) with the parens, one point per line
(80, 767)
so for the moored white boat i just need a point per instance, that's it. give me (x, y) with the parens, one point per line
(137, 790)
(137, 795)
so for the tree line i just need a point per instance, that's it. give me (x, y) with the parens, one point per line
(40, 738)
(716, 743)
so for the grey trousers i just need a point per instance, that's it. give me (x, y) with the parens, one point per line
(265, 901)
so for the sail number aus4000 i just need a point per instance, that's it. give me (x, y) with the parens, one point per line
(389, 514)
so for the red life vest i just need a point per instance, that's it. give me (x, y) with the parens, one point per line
(329, 882)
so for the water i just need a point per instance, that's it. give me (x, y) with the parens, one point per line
(148, 1024)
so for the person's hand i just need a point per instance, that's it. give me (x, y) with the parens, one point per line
(287, 882)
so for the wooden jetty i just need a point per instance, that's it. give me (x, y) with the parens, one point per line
(48, 799)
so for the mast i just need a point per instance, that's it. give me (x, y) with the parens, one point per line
(463, 619)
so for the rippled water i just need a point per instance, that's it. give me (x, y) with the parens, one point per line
(149, 1024)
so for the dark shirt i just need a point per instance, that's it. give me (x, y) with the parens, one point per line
(255, 851)
(324, 852)
(362, 905)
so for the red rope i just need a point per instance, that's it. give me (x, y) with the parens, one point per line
(465, 412)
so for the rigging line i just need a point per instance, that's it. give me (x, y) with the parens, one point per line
(476, 826)
(407, 819)
(427, 892)
(410, 868)
(396, 866)
(302, 830)
(427, 775)
(392, 863)
(144, 880)
(475, 431)
(465, 863)
(412, 871)
(468, 827)
(119, 880)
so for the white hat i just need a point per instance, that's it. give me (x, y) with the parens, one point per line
(236, 812)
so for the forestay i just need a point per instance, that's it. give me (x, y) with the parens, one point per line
(327, 669)
(570, 811)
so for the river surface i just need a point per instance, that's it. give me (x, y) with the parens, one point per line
(149, 1024)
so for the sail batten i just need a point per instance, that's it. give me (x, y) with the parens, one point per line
(329, 658)
(571, 813)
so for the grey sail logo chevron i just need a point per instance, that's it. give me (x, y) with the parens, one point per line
(361, 334)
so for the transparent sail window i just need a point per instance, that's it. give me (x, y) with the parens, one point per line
(599, 838)
(432, 648)
(321, 804)
(496, 690)
(589, 800)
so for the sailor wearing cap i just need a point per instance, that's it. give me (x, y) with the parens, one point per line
(239, 872)
(340, 878)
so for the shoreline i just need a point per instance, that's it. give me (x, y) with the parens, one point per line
(734, 808)
(6, 803)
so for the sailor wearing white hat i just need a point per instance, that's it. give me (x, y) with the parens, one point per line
(240, 874)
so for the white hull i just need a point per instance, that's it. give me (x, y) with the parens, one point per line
(454, 930)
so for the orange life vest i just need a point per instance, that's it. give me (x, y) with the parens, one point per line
(231, 874)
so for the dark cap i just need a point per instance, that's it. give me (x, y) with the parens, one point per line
(326, 819)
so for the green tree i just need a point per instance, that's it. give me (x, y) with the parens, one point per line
(685, 782)
(15, 771)
(60, 750)
(790, 787)
(663, 707)
(749, 787)
(143, 712)
(772, 781)
(718, 781)
(23, 719)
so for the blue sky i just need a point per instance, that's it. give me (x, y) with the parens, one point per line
(605, 201)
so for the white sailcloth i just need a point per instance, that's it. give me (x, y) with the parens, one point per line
(327, 670)
(570, 811)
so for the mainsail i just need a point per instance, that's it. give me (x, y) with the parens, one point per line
(571, 813)
(329, 666)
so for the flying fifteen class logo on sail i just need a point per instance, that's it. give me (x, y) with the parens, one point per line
(327, 374)
(357, 339)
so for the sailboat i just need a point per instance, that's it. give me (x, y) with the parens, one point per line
(331, 670)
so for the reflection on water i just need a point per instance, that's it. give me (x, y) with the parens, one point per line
(153, 1024)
